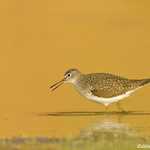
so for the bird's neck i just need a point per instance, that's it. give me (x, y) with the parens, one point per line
(77, 79)
(74, 80)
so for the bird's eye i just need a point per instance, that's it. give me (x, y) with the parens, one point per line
(69, 75)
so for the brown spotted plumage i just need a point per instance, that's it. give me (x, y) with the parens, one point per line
(108, 85)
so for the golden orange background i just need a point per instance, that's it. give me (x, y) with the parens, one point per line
(40, 40)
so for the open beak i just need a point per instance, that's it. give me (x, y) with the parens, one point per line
(57, 84)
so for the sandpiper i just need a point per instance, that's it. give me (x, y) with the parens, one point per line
(103, 88)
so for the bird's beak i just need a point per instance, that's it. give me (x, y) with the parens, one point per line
(57, 84)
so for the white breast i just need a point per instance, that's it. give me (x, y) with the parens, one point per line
(107, 101)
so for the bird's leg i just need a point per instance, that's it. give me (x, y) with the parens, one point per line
(106, 108)
(120, 108)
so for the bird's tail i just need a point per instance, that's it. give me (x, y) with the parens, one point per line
(145, 81)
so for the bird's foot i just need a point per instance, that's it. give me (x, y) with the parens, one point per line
(124, 111)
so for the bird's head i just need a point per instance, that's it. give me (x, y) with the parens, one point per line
(70, 76)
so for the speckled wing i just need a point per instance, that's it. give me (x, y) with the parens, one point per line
(108, 85)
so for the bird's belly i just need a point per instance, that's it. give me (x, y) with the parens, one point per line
(107, 101)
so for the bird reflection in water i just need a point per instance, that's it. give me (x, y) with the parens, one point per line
(109, 134)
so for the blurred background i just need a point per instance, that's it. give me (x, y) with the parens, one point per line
(40, 40)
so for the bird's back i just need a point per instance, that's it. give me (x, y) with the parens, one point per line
(108, 85)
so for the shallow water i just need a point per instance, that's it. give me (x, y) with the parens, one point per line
(70, 124)
(77, 130)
